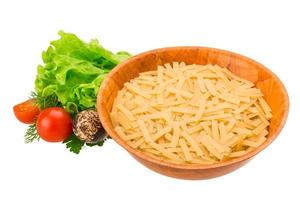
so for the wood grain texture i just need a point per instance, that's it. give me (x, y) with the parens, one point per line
(270, 85)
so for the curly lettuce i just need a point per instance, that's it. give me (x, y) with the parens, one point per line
(73, 71)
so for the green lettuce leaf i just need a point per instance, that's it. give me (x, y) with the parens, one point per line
(73, 70)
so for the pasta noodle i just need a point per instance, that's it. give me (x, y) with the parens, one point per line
(195, 114)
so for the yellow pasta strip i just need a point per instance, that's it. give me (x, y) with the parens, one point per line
(126, 112)
(206, 95)
(229, 97)
(169, 137)
(209, 75)
(230, 125)
(247, 122)
(199, 113)
(212, 117)
(194, 129)
(192, 142)
(137, 90)
(176, 134)
(121, 133)
(170, 73)
(264, 105)
(183, 93)
(144, 131)
(252, 115)
(220, 148)
(146, 82)
(244, 99)
(158, 115)
(161, 132)
(206, 127)
(185, 150)
(210, 87)
(219, 72)
(134, 136)
(121, 118)
(175, 149)
(180, 83)
(202, 84)
(168, 66)
(227, 138)
(259, 128)
(256, 122)
(253, 110)
(264, 133)
(215, 130)
(242, 108)
(261, 114)
(183, 110)
(222, 131)
(235, 140)
(237, 154)
(210, 148)
(253, 143)
(220, 106)
(152, 151)
(137, 143)
(164, 151)
(139, 110)
(242, 131)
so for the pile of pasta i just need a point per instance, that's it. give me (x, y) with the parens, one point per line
(201, 114)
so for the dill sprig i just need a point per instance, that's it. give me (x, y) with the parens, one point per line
(31, 134)
(42, 102)
(45, 102)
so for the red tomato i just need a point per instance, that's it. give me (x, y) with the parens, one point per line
(26, 111)
(54, 124)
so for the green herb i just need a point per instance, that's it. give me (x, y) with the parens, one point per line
(31, 134)
(45, 101)
(74, 144)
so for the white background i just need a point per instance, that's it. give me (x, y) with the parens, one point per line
(267, 31)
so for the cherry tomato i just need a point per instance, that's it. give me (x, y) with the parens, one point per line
(54, 124)
(27, 111)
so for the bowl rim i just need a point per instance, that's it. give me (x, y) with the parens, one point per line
(139, 154)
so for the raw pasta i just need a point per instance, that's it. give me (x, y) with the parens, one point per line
(201, 114)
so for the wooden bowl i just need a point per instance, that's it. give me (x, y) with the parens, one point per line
(270, 85)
